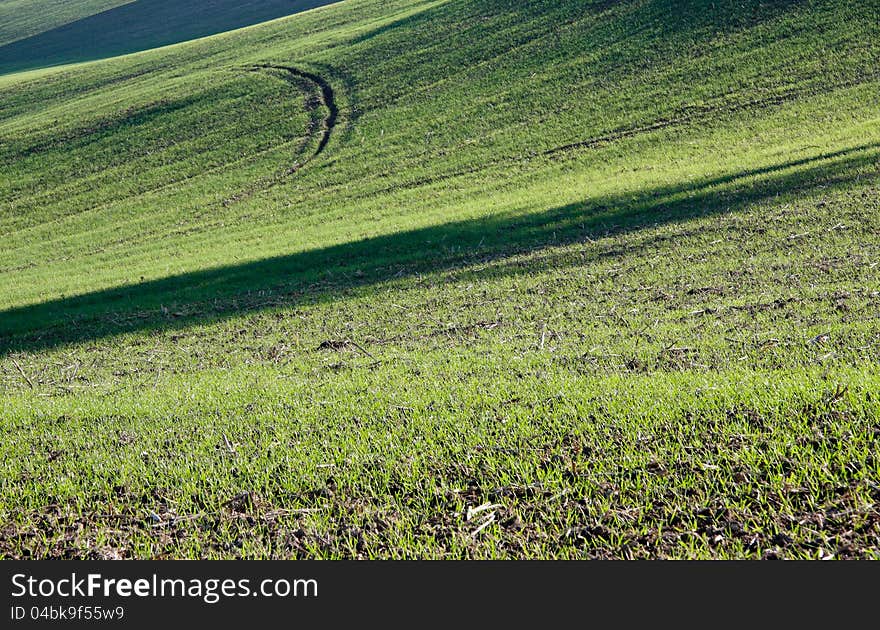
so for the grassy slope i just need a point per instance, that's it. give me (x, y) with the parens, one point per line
(106, 30)
(24, 18)
(661, 341)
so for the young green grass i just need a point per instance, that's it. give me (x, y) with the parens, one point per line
(568, 280)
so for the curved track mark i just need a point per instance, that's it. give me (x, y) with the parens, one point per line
(328, 100)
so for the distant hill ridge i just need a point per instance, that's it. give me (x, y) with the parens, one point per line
(104, 28)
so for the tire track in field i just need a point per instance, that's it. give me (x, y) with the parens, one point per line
(327, 98)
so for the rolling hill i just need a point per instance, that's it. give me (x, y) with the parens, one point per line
(34, 37)
(24, 18)
(448, 278)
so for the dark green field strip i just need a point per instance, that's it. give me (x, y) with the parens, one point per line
(141, 25)
(24, 18)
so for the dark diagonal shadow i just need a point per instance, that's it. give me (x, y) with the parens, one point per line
(140, 26)
(297, 279)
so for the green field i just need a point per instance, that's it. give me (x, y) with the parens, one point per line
(449, 279)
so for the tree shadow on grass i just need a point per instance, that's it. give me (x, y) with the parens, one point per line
(302, 278)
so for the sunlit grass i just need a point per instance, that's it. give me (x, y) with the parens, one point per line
(569, 280)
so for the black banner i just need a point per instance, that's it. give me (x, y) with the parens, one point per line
(147, 594)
